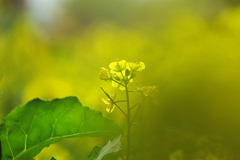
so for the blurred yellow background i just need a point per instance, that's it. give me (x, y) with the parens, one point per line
(190, 48)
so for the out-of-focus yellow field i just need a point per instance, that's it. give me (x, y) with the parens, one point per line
(191, 51)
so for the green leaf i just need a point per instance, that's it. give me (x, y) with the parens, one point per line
(37, 124)
(94, 153)
(0, 150)
(108, 152)
(53, 158)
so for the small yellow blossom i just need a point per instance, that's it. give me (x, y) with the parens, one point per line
(109, 103)
(118, 66)
(148, 91)
(105, 74)
(136, 66)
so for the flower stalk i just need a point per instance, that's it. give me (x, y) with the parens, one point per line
(121, 73)
(128, 124)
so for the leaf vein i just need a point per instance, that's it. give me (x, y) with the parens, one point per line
(59, 137)
(8, 142)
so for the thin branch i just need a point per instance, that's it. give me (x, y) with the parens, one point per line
(139, 104)
(135, 114)
(118, 83)
(122, 157)
(113, 101)
(141, 92)
(120, 101)
(134, 91)
(134, 105)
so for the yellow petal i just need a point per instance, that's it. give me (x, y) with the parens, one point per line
(121, 87)
(118, 85)
(104, 74)
(115, 84)
(110, 108)
(141, 66)
(106, 101)
(132, 66)
(111, 105)
(131, 80)
(118, 66)
(138, 66)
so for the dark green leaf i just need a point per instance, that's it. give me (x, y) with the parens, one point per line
(94, 153)
(53, 158)
(37, 124)
(0, 150)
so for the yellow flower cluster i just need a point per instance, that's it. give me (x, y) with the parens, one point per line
(121, 72)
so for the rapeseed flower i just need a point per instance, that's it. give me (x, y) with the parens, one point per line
(110, 103)
(121, 72)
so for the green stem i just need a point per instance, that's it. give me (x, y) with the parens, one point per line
(120, 101)
(128, 123)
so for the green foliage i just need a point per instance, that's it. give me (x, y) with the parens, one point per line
(109, 152)
(37, 124)
(94, 153)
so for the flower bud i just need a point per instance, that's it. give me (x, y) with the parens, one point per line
(127, 72)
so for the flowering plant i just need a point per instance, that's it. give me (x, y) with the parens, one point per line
(121, 73)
